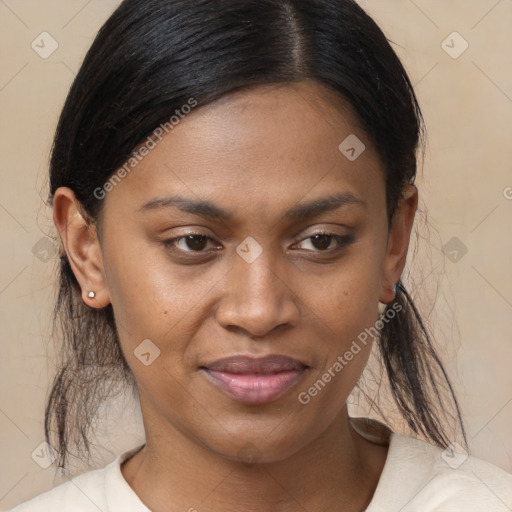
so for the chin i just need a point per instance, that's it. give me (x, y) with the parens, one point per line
(260, 447)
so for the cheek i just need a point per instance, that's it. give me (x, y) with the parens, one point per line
(150, 299)
(348, 317)
(345, 307)
(346, 299)
(325, 394)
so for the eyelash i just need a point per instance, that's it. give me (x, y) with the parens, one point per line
(343, 240)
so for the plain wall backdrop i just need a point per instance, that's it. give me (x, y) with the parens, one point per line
(457, 53)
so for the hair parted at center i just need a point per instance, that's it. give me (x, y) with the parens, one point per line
(147, 60)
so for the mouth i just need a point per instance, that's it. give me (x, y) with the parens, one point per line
(255, 380)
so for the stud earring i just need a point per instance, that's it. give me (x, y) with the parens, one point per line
(381, 308)
(91, 295)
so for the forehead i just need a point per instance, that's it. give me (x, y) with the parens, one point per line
(259, 147)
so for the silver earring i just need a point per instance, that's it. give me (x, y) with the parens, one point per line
(91, 295)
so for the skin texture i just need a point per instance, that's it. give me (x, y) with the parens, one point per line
(256, 153)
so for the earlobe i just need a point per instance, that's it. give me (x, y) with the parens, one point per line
(80, 241)
(398, 243)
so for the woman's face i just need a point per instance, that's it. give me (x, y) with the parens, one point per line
(227, 331)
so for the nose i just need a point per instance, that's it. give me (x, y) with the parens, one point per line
(258, 297)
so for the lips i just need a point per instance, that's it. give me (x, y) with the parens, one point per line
(255, 380)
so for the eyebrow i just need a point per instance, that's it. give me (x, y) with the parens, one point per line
(207, 209)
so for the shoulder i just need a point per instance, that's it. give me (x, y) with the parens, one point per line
(102, 489)
(82, 493)
(421, 476)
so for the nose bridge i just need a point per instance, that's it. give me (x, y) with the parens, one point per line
(257, 297)
(259, 279)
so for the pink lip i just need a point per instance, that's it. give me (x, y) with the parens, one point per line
(255, 381)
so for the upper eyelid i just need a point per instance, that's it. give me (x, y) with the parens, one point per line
(301, 238)
(301, 235)
(297, 238)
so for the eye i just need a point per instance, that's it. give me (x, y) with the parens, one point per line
(328, 242)
(193, 242)
(319, 242)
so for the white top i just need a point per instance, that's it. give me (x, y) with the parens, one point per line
(417, 477)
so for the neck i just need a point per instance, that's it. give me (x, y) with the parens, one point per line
(339, 470)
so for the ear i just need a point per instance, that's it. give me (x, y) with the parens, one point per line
(398, 242)
(80, 241)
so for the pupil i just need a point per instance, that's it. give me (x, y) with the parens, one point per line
(322, 241)
(196, 242)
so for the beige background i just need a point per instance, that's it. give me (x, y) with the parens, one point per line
(467, 188)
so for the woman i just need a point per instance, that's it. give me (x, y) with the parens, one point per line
(233, 185)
